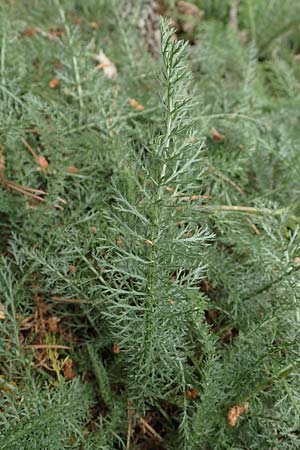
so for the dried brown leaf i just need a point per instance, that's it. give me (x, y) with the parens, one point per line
(72, 169)
(132, 102)
(29, 32)
(235, 412)
(217, 137)
(71, 268)
(108, 67)
(52, 323)
(53, 84)
(69, 372)
(55, 32)
(42, 162)
(93, 25)
(116, 348)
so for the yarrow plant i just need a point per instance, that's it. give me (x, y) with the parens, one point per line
(149, 297)
(152, 268)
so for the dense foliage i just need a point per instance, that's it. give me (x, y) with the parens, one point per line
(149, 214)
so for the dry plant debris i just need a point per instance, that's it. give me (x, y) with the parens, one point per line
(35, 194)
(44, 333)
(135, 104)
(69, 372)
(54, 83)
(104, 63)
(41, 160)
(235, 412)
(148, 429)
(53, 34)
(72, 169)
(2, 312)
(217, 136)
(116, 348)
(192, 394)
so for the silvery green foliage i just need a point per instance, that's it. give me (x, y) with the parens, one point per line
(151, 268)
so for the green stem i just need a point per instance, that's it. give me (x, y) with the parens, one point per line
(247, 210)
(74, 62)
(283, 373)
(267, 286)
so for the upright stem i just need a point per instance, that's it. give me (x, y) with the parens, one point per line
(267, 286)
(74, 63)
(156, 217)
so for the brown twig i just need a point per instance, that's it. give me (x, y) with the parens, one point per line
(68, 300)
(40, 160)
(24, 190)
(227, 180)
(252, 225)
(46, 346)
(246, 209)
(30, 192)
(50, 36)
(29, 148)
(150, 429)
(237, 208)
(129, 424)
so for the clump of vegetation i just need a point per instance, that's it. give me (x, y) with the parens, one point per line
(149, 213)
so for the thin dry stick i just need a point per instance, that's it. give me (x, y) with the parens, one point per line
(25, 190)
(49, 36)
(227, 180)
(129, 426)
(37, 158)
(31, 192)
(2, 165)
(233, 16)
(40, 160)
(252, 225)
(56, 298)
(29, 148)
(47, 346)
(150, 429)
(245, 209)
